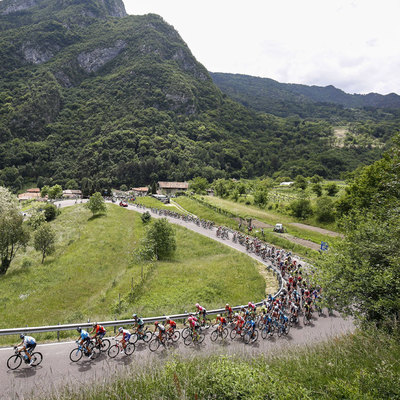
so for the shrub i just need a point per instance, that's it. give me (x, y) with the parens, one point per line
(301, 208)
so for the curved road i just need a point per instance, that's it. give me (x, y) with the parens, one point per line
(57, 371)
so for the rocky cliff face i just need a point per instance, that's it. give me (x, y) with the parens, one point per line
(111, 8)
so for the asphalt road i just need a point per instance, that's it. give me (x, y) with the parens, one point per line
(57, 371)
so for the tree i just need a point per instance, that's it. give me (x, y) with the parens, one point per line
(317, 189)
(55, 192)
(96, 204)
(72, 184)
(325, 211)
(44, 191)
(301, 208)
(44, 240)
(13, 234)
(124, 188)
(316, 179)
(360, 274)
(50, 212)
(162, 237)
(36, 219)
(331, 189)
(261, 197)
(300, 182)
(198, 185)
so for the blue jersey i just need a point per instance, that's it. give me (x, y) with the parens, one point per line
(29, 341)
(84, 335)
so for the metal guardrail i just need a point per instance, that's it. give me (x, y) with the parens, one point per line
(124, 322)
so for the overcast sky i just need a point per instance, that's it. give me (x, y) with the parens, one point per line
(351, 44)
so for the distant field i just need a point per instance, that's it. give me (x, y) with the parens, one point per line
(266, 216)
(93, 268)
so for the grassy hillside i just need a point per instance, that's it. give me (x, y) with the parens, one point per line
(93, 268)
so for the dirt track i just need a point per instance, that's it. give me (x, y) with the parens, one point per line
(57, 371)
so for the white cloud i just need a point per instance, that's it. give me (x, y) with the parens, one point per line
(352, 45)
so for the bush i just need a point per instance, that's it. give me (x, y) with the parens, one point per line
(325, 211)
(145, 217)
(301, 208)
(161, 236)
(50, 212)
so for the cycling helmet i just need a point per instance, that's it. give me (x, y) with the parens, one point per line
(236, 314)
(79, 329)
(219, 316)
(22, 336)
(197, 304)
(120, 329)
(134, 316)
(249, 303)
(167, 318)
(156, 323)
(226, 305)
(94, 324)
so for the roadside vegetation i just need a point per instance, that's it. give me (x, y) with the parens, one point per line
(359, 366)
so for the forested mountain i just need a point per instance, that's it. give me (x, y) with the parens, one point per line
(91, 94)
(285, 99)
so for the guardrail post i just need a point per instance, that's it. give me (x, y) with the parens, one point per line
(58, 334)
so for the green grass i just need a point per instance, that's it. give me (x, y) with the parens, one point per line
(361, 366)
(152, 202)
(205, 212)
(93, 268)
(266, 216)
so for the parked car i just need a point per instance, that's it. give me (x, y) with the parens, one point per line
(123, 204)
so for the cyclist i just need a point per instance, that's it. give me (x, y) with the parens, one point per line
(161, 331)
(99, 332)
(228, 310)
(193, 323)
(84, 340)
(171, 323)
(201, 310)
(138, 324)
(239, 322)
(221, 322)
(250, 326)
(28, 344)
(126, 335)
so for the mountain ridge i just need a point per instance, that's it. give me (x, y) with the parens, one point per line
(265, 94)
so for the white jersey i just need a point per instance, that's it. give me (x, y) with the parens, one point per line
(28, 340)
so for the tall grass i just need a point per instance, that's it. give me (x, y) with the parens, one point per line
(360, 366)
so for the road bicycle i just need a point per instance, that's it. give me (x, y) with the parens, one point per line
(102, 344)
(77, 353)
(146, 336)
(283, 328)
(250, 336)
(307, 318)
(157, 342)
(114, 350)
(219, 333)
(194, 338)
(267, 331)
(16, 360)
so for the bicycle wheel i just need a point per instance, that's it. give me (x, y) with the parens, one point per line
(246, 338)
(154, 344)
(105, 345)
(286, 330)
(186, 332)
(224, 333)
(233, 334)
(214, 335)
(134, 338)
(147, 336)
(129, 349)
(200, 338)
(188, 340)
(264, 333)
(76, 355)
(175, 336)
(280, 330)
(305, 319)
(113, 351)
(14, 362)
(37, 359)
(254, 337)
